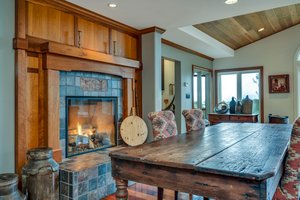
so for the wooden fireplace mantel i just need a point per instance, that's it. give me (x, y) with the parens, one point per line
(67, 50)
(46, 44)
(63, 57)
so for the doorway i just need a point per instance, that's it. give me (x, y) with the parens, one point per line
(171, 90)
(202, 91)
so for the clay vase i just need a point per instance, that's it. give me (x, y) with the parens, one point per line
(247, 105)
(238, 107)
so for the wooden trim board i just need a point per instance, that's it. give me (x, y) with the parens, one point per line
(182, 48)
(66, 50)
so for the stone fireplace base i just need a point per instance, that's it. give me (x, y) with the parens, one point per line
(87, 177)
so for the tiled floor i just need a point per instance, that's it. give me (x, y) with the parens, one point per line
(145, 192)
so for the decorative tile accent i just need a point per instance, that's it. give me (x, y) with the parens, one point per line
(64, 176)
(64, 189)
(82, 188)
(93, 84)
(101, 169)
(84, 197)
(93, 184)
(102, 181)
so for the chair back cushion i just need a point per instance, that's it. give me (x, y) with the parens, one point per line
(288, 187)
(193, 119)
(163, 124)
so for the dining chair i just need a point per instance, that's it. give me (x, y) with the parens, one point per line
(288, 187)
(193, 119)
(194, 122)
(164, 126)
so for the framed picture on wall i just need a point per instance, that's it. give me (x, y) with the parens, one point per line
(279, 83)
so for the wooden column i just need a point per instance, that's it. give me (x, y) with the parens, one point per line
(20, 89)
(51, 120)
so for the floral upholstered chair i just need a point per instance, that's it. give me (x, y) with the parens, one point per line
(164, 126)
(288, 188)
(193, 119)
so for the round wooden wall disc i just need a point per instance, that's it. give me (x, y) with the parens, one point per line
(133, 131)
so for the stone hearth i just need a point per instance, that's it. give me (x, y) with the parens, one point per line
(86, 177)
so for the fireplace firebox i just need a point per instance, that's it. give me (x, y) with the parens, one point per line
(91, 124)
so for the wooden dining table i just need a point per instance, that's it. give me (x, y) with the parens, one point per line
(228, 161)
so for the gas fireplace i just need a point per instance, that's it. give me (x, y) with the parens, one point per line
(91, 124)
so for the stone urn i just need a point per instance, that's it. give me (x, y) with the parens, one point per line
(9, 187)
(40, 175)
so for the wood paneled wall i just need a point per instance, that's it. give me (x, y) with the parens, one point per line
(53, 36)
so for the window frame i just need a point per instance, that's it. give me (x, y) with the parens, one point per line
(239, 71)
(210, 71)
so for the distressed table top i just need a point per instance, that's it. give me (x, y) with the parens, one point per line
(247, 150)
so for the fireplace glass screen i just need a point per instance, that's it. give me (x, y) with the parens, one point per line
(91, 124)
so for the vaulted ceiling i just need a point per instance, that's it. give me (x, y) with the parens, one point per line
(178, 18)
(242, 30)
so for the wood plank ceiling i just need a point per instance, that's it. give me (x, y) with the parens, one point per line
(240, 31)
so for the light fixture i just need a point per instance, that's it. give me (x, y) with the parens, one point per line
(261, 29)
(231, 1)
(112, 5)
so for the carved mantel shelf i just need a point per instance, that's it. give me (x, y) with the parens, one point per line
(63, 57)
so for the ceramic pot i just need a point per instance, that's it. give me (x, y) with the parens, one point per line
(238, 108)
(247, 105)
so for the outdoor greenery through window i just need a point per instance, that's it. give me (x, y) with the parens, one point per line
(239, 84)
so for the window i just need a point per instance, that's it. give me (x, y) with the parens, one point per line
(240, 83)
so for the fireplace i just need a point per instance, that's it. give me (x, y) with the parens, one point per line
(91, 124)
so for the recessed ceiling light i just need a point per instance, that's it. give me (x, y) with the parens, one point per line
(231, 1)
(112, 5)
(261, 29)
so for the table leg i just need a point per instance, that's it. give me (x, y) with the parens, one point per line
(122, 192)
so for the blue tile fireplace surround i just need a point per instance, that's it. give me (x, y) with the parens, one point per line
(87, 176)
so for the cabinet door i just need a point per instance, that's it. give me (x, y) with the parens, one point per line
(123, 45)
(93, 36)
(50, 24)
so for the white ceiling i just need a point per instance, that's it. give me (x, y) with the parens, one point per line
(178, 16)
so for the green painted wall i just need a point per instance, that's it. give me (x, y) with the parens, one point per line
(7, 24)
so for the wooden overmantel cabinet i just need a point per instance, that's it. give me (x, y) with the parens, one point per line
(62, 26)
(215, 118)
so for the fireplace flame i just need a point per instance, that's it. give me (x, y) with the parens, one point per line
(79, 129)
